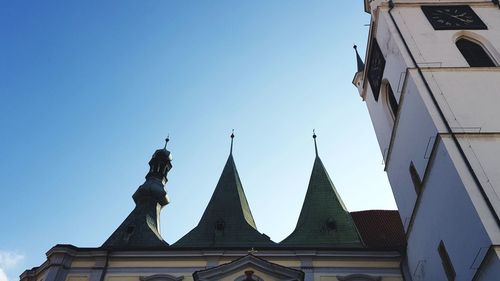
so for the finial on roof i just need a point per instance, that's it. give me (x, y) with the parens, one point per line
(360, 63)
(232, 138)
(315, 145)
(166, 141)
(252, 251)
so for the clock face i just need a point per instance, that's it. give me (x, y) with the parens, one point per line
(453, 17)
(376, 68)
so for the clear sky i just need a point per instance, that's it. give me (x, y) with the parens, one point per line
(89, 89)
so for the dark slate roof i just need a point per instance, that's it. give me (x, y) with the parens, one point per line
(227, 220)
(380, 229)
(324, 221)
(141, 228)
(359, 62)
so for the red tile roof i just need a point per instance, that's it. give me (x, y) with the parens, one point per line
(380, 229)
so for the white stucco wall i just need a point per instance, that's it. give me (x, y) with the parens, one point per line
(491, 268)
(413, 141)
(451, 207)
(446, 213)
(433, 48)
(483, 153)
(395, 69)
(469, 97)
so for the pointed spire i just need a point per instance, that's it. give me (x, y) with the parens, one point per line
(315, 144)
(227, 220)
(360, 63)
(324, 220)
(232, 138)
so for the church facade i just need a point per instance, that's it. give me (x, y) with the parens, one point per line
(328, 243)
(431, 84)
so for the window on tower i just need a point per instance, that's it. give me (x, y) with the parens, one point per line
(391, 100)
(446, 261)
(375, 68)
(474, 54)
(415, 178)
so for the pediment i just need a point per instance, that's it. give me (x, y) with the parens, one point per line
(249, 266)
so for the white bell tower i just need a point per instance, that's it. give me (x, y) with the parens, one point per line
(431, 82)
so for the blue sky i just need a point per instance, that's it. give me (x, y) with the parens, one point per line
(89, 89)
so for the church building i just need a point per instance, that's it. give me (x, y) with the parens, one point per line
(431, 81)
(329, 243)
(432, 87)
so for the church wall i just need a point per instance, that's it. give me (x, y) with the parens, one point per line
(445, 213)
(469, 103)
(482, 150)
(381, 121)
(241, 273)
(433, 48)
(317, 265)
(486, 150)
(82, 263)
(354, 263)
(468, 97)
(77, 277)
(395, 69)
(490, 269)
(330, 277)
(320, 277)
(419, 123)
(122, 278)
(450, 207)
(415, 129)
(156, 262)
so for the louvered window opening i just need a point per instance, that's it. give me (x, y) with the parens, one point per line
(392, 101)
(474, 54)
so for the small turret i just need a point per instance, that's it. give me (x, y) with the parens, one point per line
(141, 229)
(159, 166)
(357, 81)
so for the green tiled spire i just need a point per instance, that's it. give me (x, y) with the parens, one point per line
(227, 220)
(324, 220)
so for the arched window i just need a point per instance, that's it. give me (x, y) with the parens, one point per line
(474, 54)
(391, 100)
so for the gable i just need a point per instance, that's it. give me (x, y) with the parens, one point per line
(249, 266)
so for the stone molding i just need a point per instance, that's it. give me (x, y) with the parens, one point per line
(258, 264)
(161, 277)
(359, 277)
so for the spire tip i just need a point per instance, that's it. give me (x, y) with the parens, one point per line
(315, 145)
(166, 141)
(232, 138)
(359, 62)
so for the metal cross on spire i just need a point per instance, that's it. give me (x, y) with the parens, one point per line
(232, 138)
(315, 145)
(359, 62)
(166, 141)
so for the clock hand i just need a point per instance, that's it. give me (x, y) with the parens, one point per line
(461, 19)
